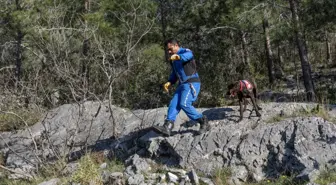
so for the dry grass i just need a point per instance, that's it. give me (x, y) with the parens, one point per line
(327, 177)
(221, 176)
(87, 172)
(318, 111)
(18, 118)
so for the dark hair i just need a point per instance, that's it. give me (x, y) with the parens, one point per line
(172, 41)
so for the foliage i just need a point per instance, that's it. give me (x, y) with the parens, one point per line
(282, 180)
(114, 49)
(88, 171)
(221, 176)
(326, 177)
(18, 118)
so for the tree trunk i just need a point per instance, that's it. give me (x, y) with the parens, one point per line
(18, 60)
(85, 51)
(246, 58)
(87, 5)
(244, 47)
(279, 73)
(268, 50)
(18, 57)
(293, 53)
(306, 70)
(328, 48)
(164, 27)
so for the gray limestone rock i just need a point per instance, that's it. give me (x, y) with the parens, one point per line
(193, 177)
(115, 178)
(70, 168)
(103, 166)
(262, 147)
(136, 179)
(239, 175)
(139, 165)
(172, 177)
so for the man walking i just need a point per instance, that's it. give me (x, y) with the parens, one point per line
(183, 71)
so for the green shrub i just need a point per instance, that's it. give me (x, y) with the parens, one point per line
(18, 118)
(318, 111)
(282, 180)
(326, 177)
(221, 176)
(87, 172)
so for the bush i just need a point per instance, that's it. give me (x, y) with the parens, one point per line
(327, 177)
(318, 111)
(18, 118)
(221, 176)
(87, 172)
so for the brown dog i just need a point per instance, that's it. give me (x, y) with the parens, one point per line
(244, 89)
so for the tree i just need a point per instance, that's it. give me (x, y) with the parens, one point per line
(302, 48)
(268, 50)
(13, 27)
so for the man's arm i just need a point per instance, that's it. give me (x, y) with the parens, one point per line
(187, 55)
(172, 77)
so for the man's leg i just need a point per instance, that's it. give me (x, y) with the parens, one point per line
(174, 106)
(173, 110)
(188, 96)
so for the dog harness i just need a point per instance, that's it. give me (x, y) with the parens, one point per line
(246, 84)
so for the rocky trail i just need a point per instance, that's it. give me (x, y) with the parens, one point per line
(287, 140)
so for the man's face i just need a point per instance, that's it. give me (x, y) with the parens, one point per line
(172, 48)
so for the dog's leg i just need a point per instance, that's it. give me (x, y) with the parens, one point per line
(245, 102)
(241, 109)
(255, 97)
(255, 106)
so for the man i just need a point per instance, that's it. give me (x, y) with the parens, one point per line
(183, 71)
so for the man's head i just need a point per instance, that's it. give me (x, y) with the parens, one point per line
(172, 46)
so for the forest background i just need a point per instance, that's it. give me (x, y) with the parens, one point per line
(64, 51)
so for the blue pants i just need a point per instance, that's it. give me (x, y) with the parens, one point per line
(183, 98)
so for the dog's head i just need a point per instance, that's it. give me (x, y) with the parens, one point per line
(232, 90)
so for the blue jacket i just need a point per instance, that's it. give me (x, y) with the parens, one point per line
(185, 68)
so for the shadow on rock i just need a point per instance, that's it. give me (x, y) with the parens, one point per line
(217, 113)
(289, 164)
(147, 143)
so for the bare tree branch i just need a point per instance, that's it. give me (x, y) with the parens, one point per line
(7, 67)
(27, 127)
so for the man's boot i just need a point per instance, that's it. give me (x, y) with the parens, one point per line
(205, 126)
(167, 127)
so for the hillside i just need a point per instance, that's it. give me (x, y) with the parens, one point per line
(296, 140)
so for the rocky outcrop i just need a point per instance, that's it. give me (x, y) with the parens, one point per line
(256, 148)
(295, 146)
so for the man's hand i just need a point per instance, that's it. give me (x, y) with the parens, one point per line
(175, 57)
(166, 86)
